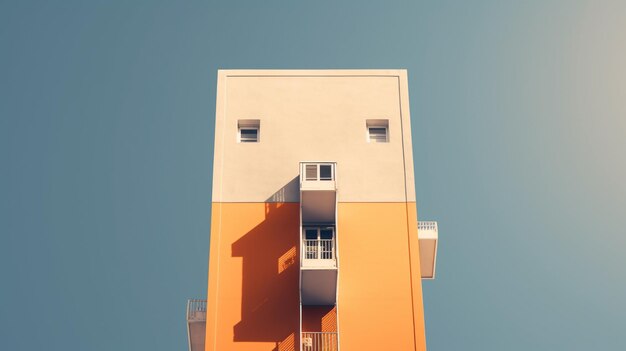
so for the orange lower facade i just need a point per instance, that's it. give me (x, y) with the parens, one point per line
(253, 300)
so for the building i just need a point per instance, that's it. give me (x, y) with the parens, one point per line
(314, 231)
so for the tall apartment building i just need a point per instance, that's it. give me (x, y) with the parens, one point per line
(315, 243)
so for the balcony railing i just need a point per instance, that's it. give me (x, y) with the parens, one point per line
(319, 249)
(196, 310)
(427, 225)
(319, 341)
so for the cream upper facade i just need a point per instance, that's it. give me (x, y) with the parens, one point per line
(312, 115)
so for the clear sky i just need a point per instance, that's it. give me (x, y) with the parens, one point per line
(106, 123)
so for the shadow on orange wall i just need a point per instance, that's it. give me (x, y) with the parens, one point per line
(319, 319)
(270, 295)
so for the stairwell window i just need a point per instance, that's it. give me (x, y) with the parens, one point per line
(326, 172)
(377, 130)
(248, 130)
(317, 171)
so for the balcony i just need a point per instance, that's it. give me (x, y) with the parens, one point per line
(196, 324)
(318, 247)
(319, 251)
(428, 235)
(319, 341)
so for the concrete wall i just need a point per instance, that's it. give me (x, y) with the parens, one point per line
(253, 293)
(312, 116)
(380, 296)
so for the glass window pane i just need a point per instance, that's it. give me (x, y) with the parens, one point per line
(326, 172)
(248, 135)
(326, 233)
(310, 234)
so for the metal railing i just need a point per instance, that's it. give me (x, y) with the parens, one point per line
(196, 310)
(319, 341)
(427, 225)
(319, 249)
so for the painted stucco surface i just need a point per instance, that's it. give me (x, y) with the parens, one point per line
(380, 296)
(312, 115)
(253, 293)
(253, 278)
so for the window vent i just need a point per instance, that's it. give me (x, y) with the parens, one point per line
(311, 172)
(248, 130)
(377, 130)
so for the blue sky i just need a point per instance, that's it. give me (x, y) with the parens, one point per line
(106, 121)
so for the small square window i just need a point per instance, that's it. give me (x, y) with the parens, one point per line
(248, 130)
(248, 135)
(326, 172)
(377, 130)
(377, 134)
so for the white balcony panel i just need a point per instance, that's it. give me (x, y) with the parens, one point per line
(318, 206)
(319, 286)
(428, 234)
